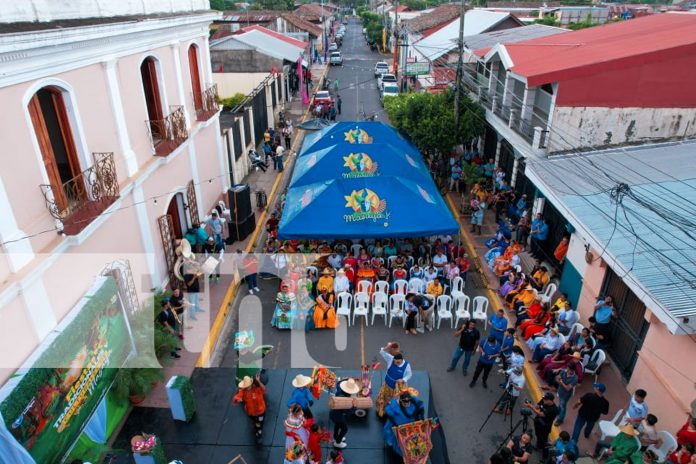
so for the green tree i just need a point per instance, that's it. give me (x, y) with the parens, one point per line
(222, 5)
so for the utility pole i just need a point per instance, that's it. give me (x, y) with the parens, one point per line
(460, 65)
(395, 64)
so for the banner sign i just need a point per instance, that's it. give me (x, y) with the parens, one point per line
(46, 404)
(420, 68)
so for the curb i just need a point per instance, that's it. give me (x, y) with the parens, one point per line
(214, 334)
(531, 381)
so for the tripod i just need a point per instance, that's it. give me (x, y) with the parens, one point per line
(524, 421)
(507, 391)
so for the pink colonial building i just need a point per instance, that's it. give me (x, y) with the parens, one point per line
(111, 150)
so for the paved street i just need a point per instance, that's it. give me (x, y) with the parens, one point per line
(462, 410)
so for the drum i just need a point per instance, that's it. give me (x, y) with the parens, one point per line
(343, 402)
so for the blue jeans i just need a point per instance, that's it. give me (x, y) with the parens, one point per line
(193, 299)
(577, 428)
(278, 163)
(458, 355)
(251, 281)
(562, 406)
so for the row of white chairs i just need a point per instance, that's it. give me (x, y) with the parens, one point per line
(393, 306)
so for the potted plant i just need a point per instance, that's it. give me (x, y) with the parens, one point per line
(134, 383)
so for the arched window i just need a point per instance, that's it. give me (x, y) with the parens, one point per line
(51, 122)
(195, 77)
(153, 98)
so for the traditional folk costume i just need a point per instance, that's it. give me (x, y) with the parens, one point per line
(398, 414)
(285, 310)
(393, 375)
(251, 394)
(304, 318)
(325, 313)
(249, 360)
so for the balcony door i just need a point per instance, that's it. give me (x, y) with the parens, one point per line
(195, 77)
(153, 99)
(49, 117)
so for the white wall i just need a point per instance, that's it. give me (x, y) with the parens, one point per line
(574, 127)
(52, 10)
(232, 83)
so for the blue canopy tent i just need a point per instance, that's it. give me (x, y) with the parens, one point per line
(346, 190)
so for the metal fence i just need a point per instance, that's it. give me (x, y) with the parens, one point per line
(237, 139)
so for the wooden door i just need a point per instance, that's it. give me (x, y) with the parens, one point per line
(173, 212)
(153, 98)
(195, 77)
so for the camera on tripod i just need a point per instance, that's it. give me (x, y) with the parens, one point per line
(526, 412)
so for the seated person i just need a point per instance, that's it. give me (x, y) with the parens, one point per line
(430, 274)
(540, 278)
(400, 273)
(417, 272)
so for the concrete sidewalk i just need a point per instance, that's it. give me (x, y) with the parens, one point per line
(616, 393)
(201, 336)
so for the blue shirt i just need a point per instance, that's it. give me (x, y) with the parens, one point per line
(301, 397)
(563, 447)
(490, 352)
(498, 326)
(508, 343)
(603, 313)
(543, 231)
(571, 380)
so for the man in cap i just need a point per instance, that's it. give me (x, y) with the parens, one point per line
(216, 226)
(251, 393)
(301, 395)
(545, 412)
(345, 388)
(513, 388)
(592, 405)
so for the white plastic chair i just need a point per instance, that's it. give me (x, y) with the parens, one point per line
(610, 428)
(457, 287)
(396, 308)
(669, 444)
(314, 270)
(416, 286)
(480, 312)
(548, 293)
(355, 249)
(411, 262)
(379, 306)
(400, 286)
(390, 261)
(362, 306)
(344, 300)
(364, 286)
(461, 308)
(382, 286)
(410, 271)
(597, 358)
(576, 329)
(444, 309)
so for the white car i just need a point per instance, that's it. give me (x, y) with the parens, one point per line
(390, 90)
(336, 59)
(381, 68)
(385, 79)
(333, 47)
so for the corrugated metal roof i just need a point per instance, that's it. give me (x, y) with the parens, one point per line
(268, 42)
(516, 34)
(662, 260)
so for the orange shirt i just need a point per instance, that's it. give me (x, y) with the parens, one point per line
(252, 397)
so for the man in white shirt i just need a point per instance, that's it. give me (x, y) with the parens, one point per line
(335, 261)
(566, 319)
(341, 282)
(278, 160)
(513, 388)
(439, 261)
(546, 345)
(637, 409)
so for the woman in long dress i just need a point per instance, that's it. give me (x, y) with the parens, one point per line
(296, 433)
(304, 318)
(286, 307)
(324, 311)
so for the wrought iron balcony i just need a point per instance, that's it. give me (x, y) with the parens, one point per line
(83, 198)
(209, 104)
(168, 133)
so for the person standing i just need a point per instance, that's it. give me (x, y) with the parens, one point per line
(545, 412)
(251, 393)
(566, 379)
(498, 325)
(168, 320)
(477, 209)
(214, 249)
(489, 350)
(278, 159)
(216, 226)
(250, 267)
(540, 232)
(345, 388)
(592, 406)
(339, 102)
(287, 135)
(400, 411)
(301, 396)
(469, 338)
(397, 369)
(193, 293)
(513, 388)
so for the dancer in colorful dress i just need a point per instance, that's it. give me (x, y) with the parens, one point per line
(324, 311)
(296, 435)
(286, 308)
(397, 369)
(304, 318)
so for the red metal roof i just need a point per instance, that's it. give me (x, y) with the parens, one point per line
(277, 35)
(601, 48)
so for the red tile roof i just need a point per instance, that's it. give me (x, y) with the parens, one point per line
(303, 24)
(443, 14)
(311, 10)
(587, 51)
(442, 75)
(277, 35)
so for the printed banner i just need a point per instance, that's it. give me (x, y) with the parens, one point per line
(46, 404)
(414, 440)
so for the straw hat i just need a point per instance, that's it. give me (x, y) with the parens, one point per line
(341, 272)
(577, 355)
(554, 330)
(301, 381)
(327, 271)
(246, 382)
(629, 430)
(350, 386)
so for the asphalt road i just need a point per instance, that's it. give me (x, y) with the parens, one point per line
(356, 80)
(461, 409)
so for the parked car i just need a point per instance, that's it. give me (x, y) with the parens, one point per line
(333, 47)
(336, 59)
(384, 79)
(322, 97)
(390, 90)
(381, 68)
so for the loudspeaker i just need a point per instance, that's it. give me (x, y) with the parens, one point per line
(241, 230)
(240, 202)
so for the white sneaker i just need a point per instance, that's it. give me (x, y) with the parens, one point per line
(251, 291)
(341, 445)
(256, 289)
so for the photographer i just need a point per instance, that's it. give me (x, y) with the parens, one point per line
(545, 412)
(521, 447)
(513, 387)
